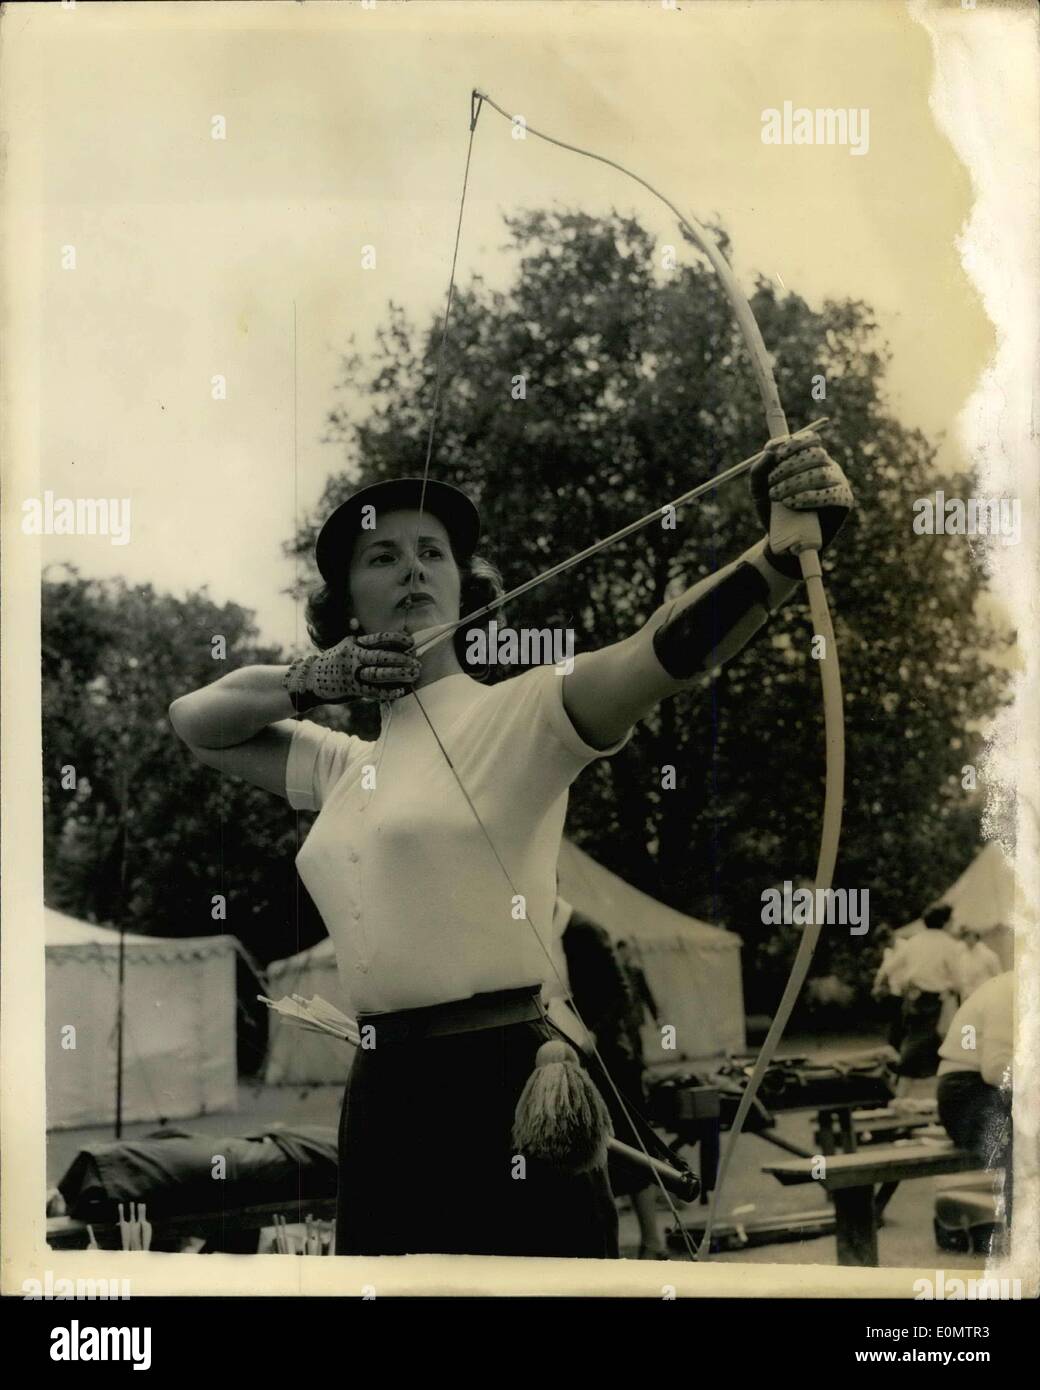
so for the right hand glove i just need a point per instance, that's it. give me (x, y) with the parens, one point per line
(377, 666)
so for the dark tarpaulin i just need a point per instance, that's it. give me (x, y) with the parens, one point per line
(174, 1174)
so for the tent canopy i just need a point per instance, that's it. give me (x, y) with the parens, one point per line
(67, 931)
(179, 1057)
(983, 900)
(627, 913)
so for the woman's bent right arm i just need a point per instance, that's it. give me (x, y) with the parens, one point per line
(241, 725)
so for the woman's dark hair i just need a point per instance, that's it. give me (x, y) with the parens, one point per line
(937, 916)
(328, 607)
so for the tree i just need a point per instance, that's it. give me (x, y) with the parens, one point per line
(138, 833)
(635, 384)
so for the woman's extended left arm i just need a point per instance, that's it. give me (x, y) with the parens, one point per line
(610, 690)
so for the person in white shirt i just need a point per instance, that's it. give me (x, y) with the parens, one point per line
(923, 971)
(433, 857)
(976, 1070)
(977, 963)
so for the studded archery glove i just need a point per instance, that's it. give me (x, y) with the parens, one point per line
(377, 666)
(802, 475)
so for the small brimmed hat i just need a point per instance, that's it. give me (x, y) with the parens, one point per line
(447, 503)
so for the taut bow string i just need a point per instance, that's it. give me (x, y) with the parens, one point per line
(789, 531)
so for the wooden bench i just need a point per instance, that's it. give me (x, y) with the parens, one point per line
(851, 1180)
(63, 1233)
(869, 1125)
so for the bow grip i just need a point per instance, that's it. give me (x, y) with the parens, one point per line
(793, 531)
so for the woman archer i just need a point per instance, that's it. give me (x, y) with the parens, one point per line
(426, 840)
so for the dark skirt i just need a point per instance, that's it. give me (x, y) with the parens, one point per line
(892, 1015)
(920, 1042)
(427, 1165)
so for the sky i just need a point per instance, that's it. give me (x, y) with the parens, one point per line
(345, 128)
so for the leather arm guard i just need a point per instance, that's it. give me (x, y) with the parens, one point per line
(687, 639)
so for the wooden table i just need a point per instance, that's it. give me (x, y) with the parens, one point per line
(852, 1178)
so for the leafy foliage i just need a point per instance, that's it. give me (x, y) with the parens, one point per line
(147, 836)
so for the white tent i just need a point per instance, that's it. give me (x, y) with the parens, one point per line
(692, 969)
(983, 900)
(179, 1024)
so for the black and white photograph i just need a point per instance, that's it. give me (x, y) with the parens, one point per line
(520, 643)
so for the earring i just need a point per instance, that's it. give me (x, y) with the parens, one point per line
(354, 625)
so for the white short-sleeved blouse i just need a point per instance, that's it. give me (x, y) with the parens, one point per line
(415, 901)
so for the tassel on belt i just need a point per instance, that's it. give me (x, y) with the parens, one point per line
(561, 1118)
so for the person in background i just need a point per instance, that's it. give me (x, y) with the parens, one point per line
(643, 999)
(886, 939)
(977, 963)
(604, 996)
(923, 972)
(975, 1076)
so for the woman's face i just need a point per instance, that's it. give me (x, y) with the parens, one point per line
(383, 593)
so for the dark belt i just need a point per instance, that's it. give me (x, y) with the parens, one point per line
(493, 1010)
